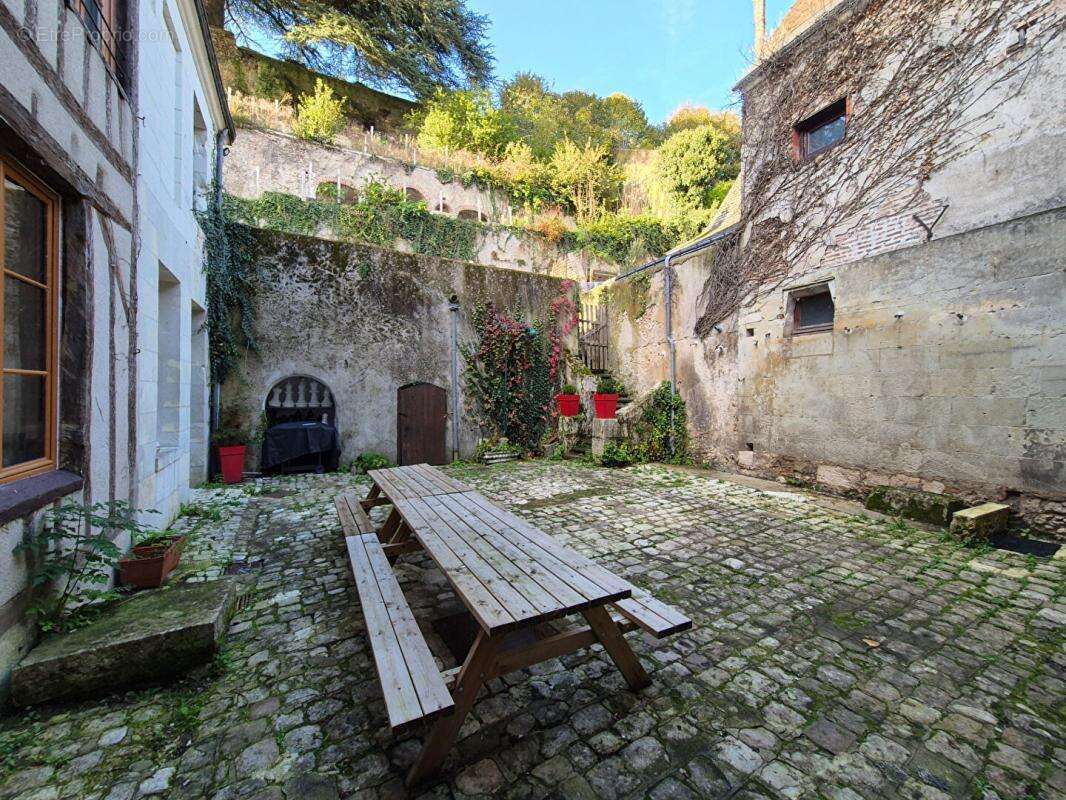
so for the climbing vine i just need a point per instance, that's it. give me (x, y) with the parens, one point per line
(513, 367)
(924, 82)
(377, 213)
(230, 277)
(661, 433)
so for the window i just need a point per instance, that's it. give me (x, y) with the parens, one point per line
(818, 133)
(101, 21)
(811, 309)
(27, 391)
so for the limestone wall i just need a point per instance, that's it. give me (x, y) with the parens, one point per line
(365, 321)
(261, 161)
(945, 370)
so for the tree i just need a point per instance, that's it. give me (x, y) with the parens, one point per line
(465, 119)
(692, 162)
(320, 116)
(686, 117)
(585, 176)
(414, 45)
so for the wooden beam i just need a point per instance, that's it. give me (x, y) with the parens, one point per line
(610, 636)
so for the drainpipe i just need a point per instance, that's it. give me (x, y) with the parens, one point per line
(453, 305)
(216, 388)
(669, 292)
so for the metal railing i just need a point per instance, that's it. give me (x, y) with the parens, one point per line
(100, 20)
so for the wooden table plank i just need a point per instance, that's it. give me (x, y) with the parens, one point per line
(519, 608)
(549, 551)
(490, 614)
(513, 566)
(544, 577)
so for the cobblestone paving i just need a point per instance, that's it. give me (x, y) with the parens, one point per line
(833, 656)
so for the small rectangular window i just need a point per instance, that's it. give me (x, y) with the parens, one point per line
(819, 132)
(28, 228)
(812, 309)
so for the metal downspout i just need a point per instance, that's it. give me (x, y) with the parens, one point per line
(216, 388)
(453, 305)
(669, 292)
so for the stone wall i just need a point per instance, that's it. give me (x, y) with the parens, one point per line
(261, 161)
(945, 370)
(365, 321)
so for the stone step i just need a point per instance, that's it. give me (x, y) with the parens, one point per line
(151, 637)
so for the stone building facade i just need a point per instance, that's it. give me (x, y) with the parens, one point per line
(87, 232)
(359, 322)
(887, 301)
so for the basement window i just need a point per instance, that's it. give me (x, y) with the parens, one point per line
(810, 309)
(821, 131)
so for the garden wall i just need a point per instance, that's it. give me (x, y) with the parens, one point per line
(945, 369)
(365, 321)
(270, 161)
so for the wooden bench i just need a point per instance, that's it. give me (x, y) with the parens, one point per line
(654, 616)
(411, 683)
(353, 517)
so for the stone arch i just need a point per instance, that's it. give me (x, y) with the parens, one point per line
(300, 398)
(413, 195)
(473, 215)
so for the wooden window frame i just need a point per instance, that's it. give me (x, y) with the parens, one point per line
(802, 129)
(797, 294)
(10, 171)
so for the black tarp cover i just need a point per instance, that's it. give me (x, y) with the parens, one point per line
(291, 440)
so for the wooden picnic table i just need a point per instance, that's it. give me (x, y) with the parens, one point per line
(516, 581)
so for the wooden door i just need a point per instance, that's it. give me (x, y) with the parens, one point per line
(421, 416)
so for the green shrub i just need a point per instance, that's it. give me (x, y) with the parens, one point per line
(608, 384)
(693, 161)
(364, 462)
(655, 430)
(320, 116)
(568, 388)
(617, 455)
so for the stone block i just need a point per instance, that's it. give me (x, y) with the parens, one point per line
(838, 477)
(603, 431)
(153, 636)
(930, 507)
(979, 522)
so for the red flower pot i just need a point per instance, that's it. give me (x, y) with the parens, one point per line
(148, 565)
(231, 459)
(569, 404)
(606, 405)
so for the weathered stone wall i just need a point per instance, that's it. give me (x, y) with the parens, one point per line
(945, 370)
(365, 321)
(261, 161)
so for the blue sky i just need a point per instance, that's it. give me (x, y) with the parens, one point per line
(661, 53)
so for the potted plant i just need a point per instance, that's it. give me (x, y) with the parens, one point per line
(569, 401)
(151, 560)
(606, 397)
(231, 443)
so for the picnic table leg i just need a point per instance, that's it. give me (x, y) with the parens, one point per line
(610, 636)
(374, 493)
(392, 526)
(473, 675)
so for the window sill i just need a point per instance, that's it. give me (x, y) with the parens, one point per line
(812, 329)
(21, 498)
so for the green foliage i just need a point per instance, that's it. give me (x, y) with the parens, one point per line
(414, 45)
(660, 436)
(230, 436)
(617, 454)
(72, 558)
(380, 215)
(495, 445)
(687, 117)
(693, 161)
(568, 388)
(230, 276)
(364, 462)
(608, 384)
(509, 377)
(270, 83)
(623, 239)
(584, 177)
(320, 116)
(463, 120)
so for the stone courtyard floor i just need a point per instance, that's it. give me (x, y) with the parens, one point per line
(833, 656)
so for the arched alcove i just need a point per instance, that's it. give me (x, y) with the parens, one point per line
(413, 195)
(299, 398)
(473, 215)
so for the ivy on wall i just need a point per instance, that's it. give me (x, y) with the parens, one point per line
(377, 214)
(230, 281)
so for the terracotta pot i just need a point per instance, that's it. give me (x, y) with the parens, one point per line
(569, 404)
(231, 459)
(149, 565)
(606, 405)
